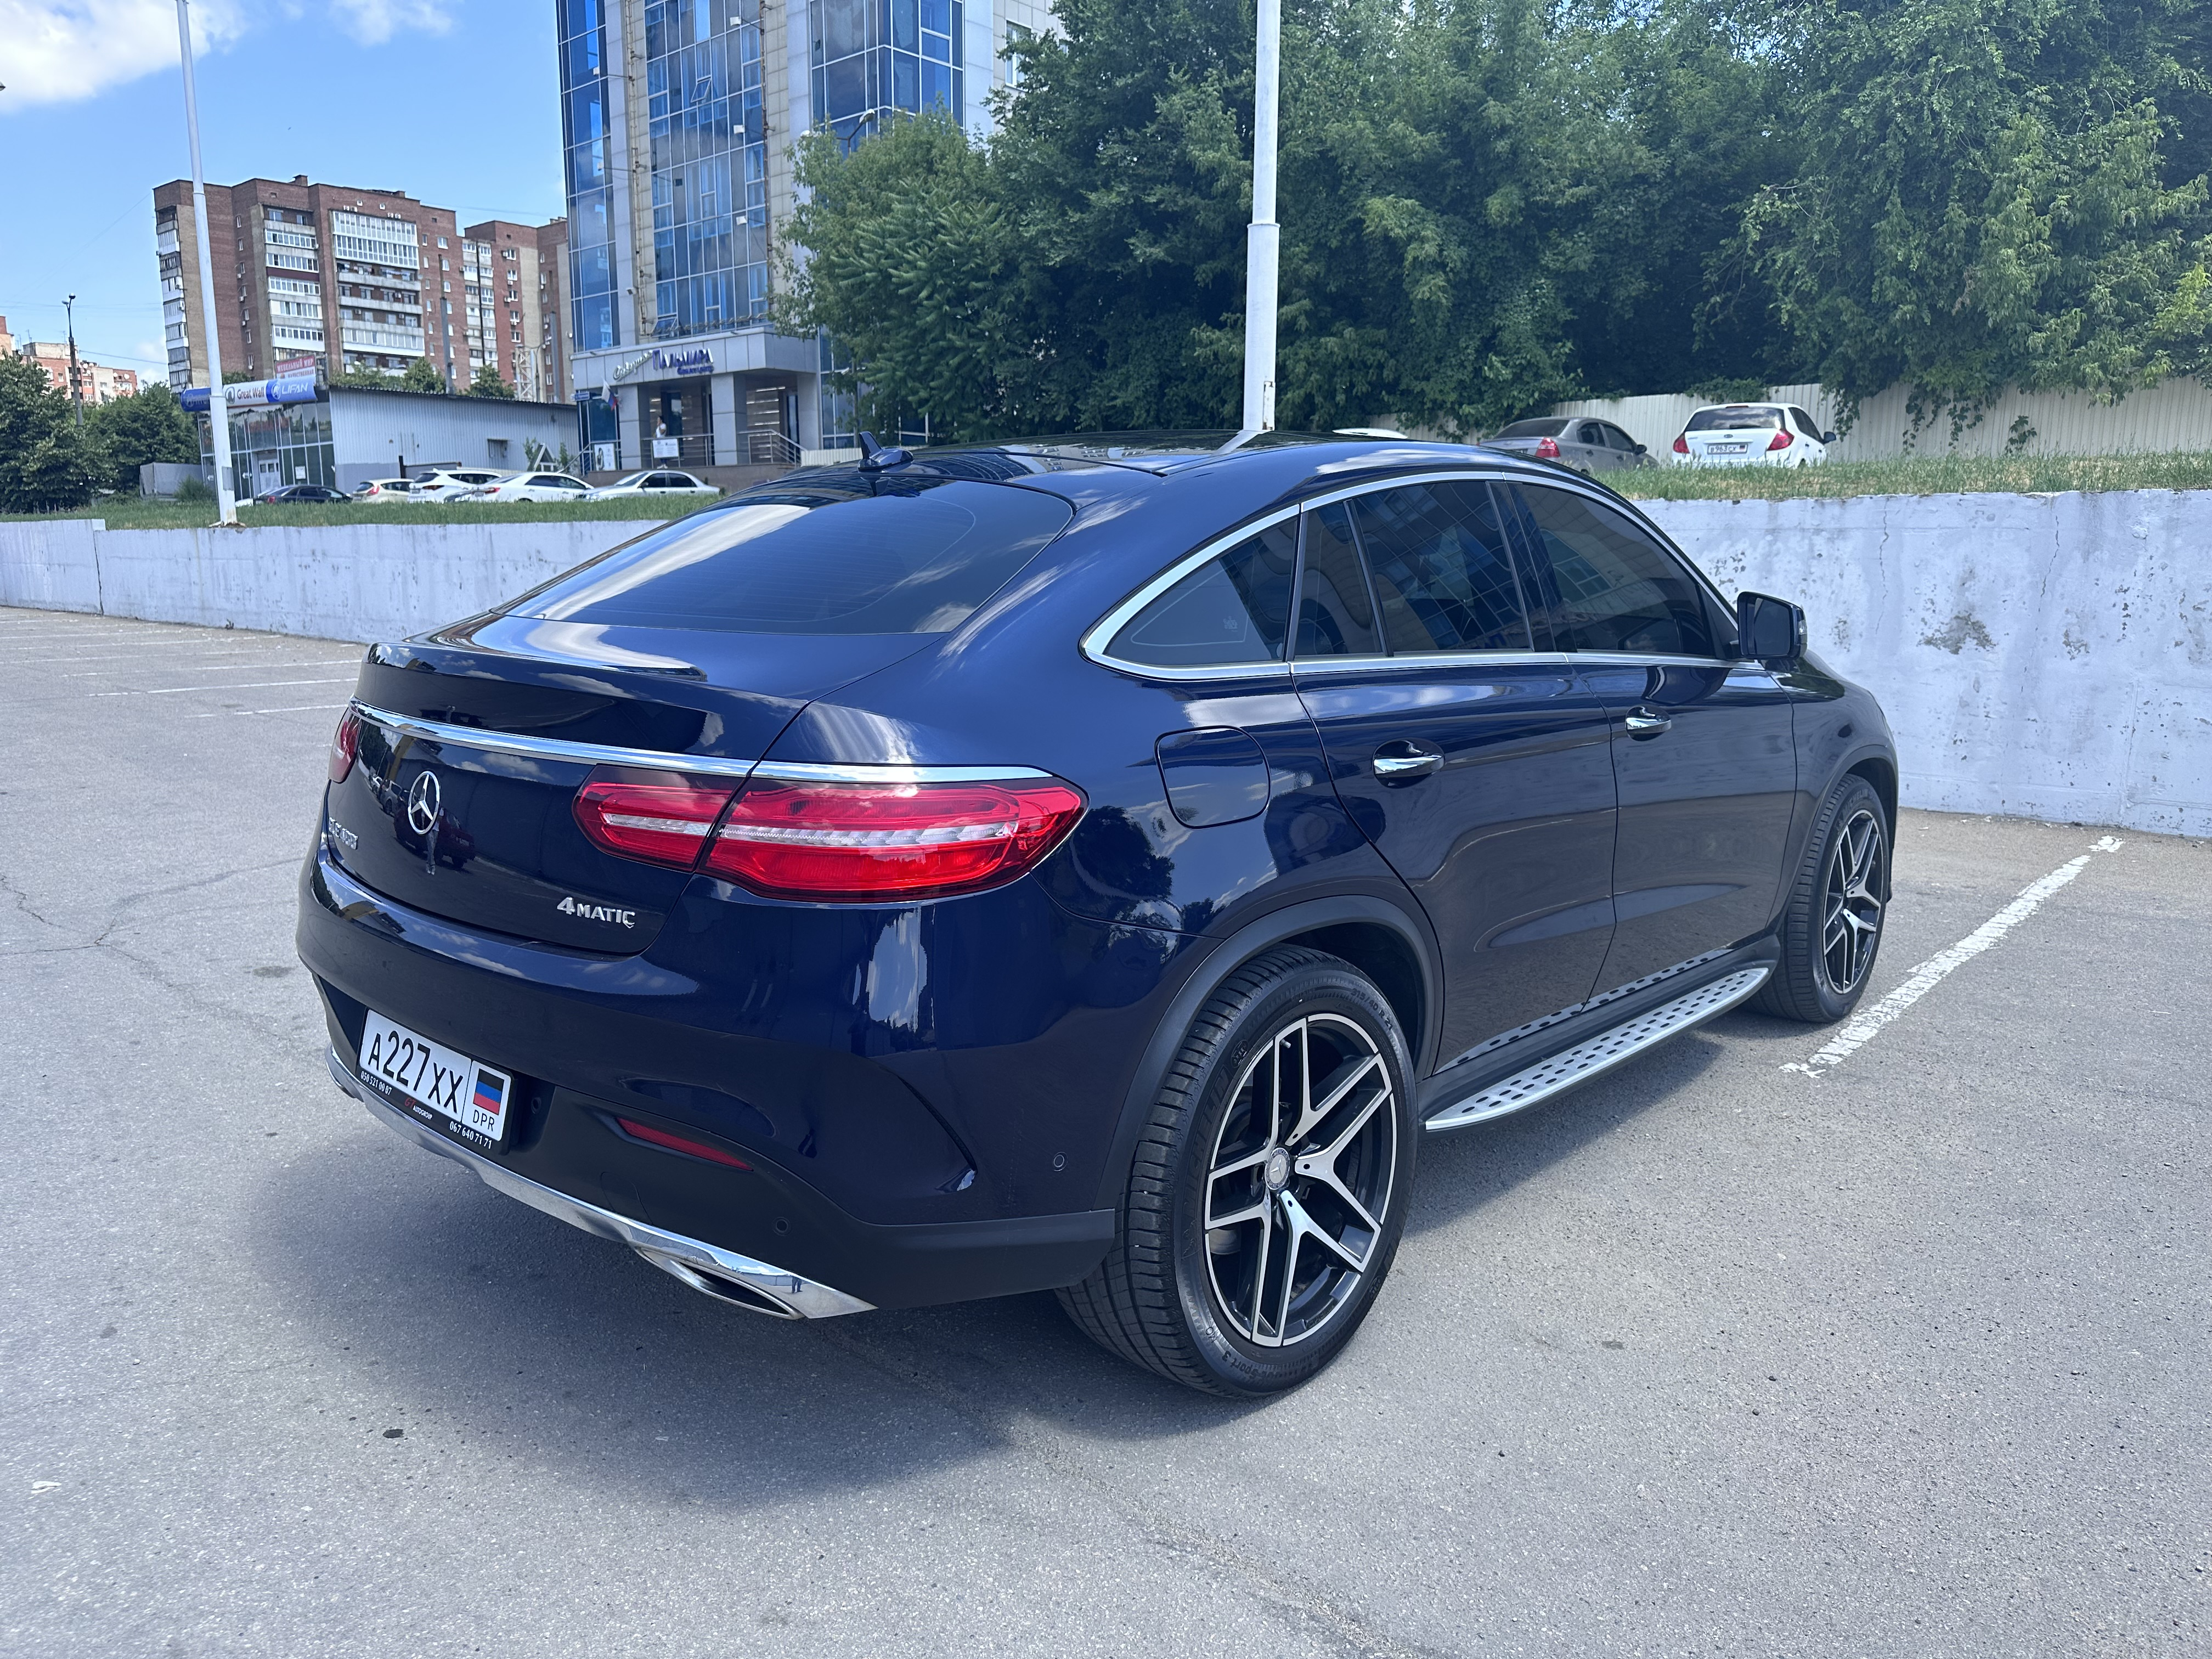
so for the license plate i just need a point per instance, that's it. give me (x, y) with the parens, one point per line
(427, 1075)
(1726, 449)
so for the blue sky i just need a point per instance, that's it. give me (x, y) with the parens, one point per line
(456, 104)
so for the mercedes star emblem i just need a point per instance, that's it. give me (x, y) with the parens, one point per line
(423, 804)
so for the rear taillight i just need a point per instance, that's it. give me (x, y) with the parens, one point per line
(661, 824)
(1681, 443)
(1548, 449)
(1780, 440)
(888, 841)
(826, 842)
(345, 744)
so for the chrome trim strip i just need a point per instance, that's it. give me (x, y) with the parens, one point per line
(1558, 1072)
(602, 754)
(890, 772)
(1414, 661)
(584, 754)
(799, 1298)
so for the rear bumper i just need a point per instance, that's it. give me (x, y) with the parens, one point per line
(725, 1274)
(841, 1183)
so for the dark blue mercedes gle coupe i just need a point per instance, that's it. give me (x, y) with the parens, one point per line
(1087, 865)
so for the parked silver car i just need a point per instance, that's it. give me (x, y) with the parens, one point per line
(1581, 441)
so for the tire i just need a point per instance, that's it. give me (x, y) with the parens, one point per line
(1195, 1286)
(1831, 930)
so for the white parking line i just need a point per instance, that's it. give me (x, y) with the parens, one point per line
(1931, 973)
(289, 708)
(247, 686)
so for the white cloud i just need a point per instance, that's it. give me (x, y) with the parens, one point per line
(54, 52)
(372, 22)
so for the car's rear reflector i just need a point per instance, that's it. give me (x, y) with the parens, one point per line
(653, 1137)
(658, 823)
(1548, 449)
(1780, 440)
(1681, 443)
(888, 841)
(345, 745)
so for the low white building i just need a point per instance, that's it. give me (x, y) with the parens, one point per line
(295, 432)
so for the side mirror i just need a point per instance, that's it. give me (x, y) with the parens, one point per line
(1769, 629)
(1827, 437)
(1644, 449)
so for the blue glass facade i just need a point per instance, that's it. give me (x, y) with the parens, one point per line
(586, 134)
(708, 136)
(871, 57)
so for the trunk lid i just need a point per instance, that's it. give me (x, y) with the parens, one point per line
(460, 799)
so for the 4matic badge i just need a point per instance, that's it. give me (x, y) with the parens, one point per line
(584, 910)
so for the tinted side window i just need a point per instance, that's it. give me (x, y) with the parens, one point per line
(1336, 617)
(1235, 608)
(1617, 589)
(1442, 576)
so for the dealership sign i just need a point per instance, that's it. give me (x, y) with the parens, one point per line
(697, 361)
(253, 394)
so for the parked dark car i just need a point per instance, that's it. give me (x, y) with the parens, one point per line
(302, 493)
(1581, 441)
(1088, 864)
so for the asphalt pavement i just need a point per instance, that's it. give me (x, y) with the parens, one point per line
(1734, 1350)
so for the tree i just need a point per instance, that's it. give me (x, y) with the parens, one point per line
(1984, 198)
(150, 425)
(47, 463)
(908, 251)
(487, 383)
(367, 379)
(423, 376)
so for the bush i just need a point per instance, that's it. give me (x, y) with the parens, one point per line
(194, 489)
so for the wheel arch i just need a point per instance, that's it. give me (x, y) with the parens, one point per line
(1376, 936)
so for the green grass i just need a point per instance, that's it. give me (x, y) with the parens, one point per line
(133, 513)
(1931, 475)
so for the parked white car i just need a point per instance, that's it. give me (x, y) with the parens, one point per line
(384, 492)
(662, 482)
(533, 487)
(1751, 434)
(448, 483)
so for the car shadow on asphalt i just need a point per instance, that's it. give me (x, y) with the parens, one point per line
(464, 1318)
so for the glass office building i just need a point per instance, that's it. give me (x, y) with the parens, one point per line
(678, 118)
(873, 57)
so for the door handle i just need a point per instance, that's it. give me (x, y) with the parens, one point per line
(1401, 763)
(1647, 723)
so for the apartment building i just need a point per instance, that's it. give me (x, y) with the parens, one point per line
(99, 383)
(515, 302)
(679, 118)
(359, 279)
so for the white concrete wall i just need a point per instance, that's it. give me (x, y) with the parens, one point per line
(2047, 656)
(364, 583)
(2043, 655)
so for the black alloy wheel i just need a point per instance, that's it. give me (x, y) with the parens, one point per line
(1832, 923)
(1269, 1189)
(1852, 902)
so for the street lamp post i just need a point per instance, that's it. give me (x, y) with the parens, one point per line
(1263, 238)
(218, 411)
(76, 375)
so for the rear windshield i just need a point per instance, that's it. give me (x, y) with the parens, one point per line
(1735, 420)
(846, 554)
(1532, 429)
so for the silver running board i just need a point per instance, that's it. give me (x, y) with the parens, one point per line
(1603, 1052)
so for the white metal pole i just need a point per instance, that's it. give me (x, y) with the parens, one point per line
(218, 411)
(1263, 239)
